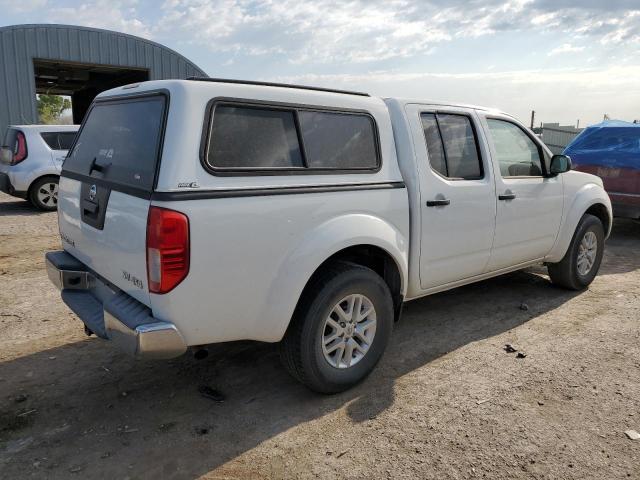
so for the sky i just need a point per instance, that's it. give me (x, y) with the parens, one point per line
(568, 60)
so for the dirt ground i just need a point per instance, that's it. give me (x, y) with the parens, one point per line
(446, 401)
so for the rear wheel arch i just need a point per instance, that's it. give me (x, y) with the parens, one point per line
(369, 256)
(336, 277)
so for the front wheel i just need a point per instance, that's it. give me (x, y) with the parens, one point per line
(43, 194)
(581, 263)
(340, 328)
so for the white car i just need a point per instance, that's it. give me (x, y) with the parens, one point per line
(30, 161)
(194, 212)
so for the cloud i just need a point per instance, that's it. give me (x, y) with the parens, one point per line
(333, 32)
(563, 94)
(118, 15)
(396, 43)
(565, 48)
(359, 31)
(306, 32)
(23, 6)
(583, 77)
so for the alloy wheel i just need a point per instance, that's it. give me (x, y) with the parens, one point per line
(587, 252)
(349, 331)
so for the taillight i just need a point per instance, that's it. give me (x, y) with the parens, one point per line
(21, 153)
(167, 249)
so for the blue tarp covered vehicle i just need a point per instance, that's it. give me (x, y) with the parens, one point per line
(611, 143)
(611, 150)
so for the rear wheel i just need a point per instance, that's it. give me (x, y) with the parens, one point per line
(340, 329)
(581, 263)
(44, 193)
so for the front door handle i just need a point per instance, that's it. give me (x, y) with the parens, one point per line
(507, 196)
(438, 203)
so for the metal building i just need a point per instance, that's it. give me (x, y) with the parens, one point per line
(557, 136)
(76, 61)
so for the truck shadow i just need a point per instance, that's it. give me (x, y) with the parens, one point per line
(91, 410)
(16, 207)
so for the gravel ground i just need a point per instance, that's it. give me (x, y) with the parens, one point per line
(446, 401)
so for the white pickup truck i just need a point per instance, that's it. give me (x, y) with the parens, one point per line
(200, 211)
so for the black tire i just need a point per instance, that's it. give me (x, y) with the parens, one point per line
(41, 202)
(301, 349)
(565, 273)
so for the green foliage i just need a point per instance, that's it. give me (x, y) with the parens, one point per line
(50, 108)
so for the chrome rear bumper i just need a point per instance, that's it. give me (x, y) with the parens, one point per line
(72, 279)
(150, 340)
(112, 314)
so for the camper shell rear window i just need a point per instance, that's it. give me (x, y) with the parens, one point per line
(119, 142)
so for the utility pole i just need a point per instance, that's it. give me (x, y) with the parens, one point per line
(533, 118)
(578, 124)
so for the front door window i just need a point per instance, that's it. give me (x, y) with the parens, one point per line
(516, 153)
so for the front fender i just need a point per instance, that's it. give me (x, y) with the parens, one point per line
(586, 196)
(316, 247)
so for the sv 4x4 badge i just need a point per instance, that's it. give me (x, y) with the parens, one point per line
(133, 279)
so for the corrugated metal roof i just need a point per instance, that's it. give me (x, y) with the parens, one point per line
(21, 44)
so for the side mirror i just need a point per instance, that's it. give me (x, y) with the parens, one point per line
(559, 164)
(6, 155)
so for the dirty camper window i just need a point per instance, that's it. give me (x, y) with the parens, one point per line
(338, 140)
(254, 138)
(119, 142)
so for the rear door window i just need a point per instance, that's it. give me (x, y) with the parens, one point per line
(120, 141)
(434, 143)
(58, 140)
(452, 146)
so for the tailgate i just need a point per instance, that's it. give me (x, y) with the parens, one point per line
(105, 189)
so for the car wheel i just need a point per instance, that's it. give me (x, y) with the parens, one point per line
(340, 328)
(44, 193)
(581, 263)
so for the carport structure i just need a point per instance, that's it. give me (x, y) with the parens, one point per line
(76, 61)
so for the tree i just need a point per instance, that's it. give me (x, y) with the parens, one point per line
(50, 107)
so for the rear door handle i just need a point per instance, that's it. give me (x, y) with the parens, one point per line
(438, 203)
(507, 196)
